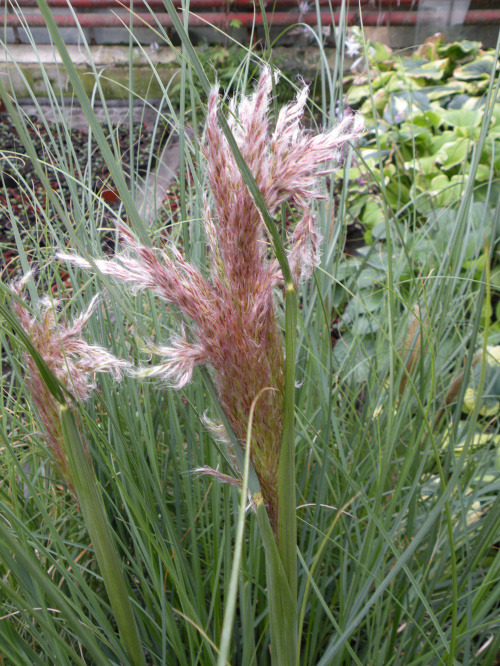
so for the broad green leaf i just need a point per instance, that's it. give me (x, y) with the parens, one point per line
(373, 214)
(379, 102)
(481, 440)
(491, 190)
(359, 357)
(411, 132)
(439, 183)
(463, 119)
(425, 204)
(495, 116)
(483, 172)
(368, 300)
(363, 325)
(451, 192)
(461, 100)
(438, 92)
(426, 165)
(357, 94)
(480, 68)
(382, 80)
(386, 142)
(452, 154)
(371, 156)
(398, 194)
(423, 69)
(398, 84)
(381, 54)
(389, 171)
(379, 233)
(402, 104)
(429, 118)
(477, 88)
(458, 50)
(357, 206)
(441, 140)
(495, 278)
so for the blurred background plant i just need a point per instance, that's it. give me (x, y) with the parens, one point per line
(397, 485)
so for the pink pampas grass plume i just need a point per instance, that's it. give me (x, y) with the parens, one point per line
(231, 317)
(72, 360)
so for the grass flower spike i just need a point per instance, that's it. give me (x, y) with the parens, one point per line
(72, 360)
(232, 320)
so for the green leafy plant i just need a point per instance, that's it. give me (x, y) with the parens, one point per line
(225, 64)
(428, 110)
(431, 141)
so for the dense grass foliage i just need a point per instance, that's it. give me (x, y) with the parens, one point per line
(395, 440)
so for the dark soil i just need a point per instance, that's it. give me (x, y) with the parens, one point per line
(20, 184)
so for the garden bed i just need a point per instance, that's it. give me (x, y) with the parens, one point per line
(393, 429)
(24, 196)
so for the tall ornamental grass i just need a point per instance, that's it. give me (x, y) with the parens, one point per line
(252, 491)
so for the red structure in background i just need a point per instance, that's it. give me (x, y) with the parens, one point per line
(244, 13)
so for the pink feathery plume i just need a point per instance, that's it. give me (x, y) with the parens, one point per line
(72, 360)
(285, 166)
(232, 321)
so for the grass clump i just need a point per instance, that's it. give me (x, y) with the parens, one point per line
(389, 473)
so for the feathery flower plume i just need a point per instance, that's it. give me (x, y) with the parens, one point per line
(233, 327)
(72, 360)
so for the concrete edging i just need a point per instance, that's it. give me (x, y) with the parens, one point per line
(25, 71)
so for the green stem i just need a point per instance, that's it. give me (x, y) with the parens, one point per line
(282, 607)
(287, 519)
(98, 527)
(238, 546)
